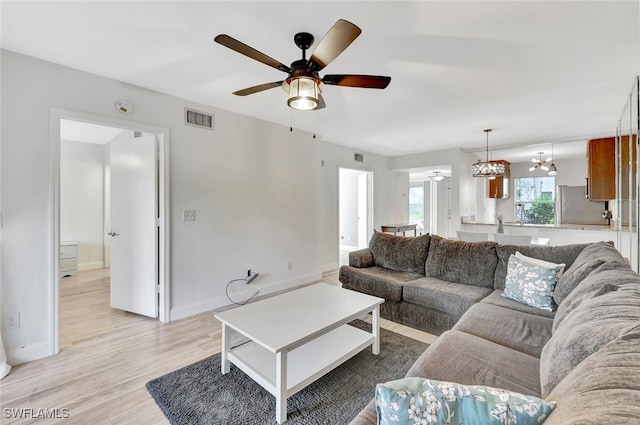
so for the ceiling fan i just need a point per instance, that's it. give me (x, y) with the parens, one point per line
(303, 83)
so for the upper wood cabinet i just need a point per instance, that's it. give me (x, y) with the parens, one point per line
(499, 187)
(601, 168)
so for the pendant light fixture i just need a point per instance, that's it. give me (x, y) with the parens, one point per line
(553, 170)
(488, 169)
(540, 163)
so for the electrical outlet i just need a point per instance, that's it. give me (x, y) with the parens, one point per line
(289, 265)
(12, 321)
(189, 215)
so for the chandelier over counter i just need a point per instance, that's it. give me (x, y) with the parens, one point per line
(539, 163)
(488, 169)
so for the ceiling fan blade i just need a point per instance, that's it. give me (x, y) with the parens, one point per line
(259, 88)
(365, 81)
(248, 51)
(337, 39)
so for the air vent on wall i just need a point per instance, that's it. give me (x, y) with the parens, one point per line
(358, 157)
(198, 119)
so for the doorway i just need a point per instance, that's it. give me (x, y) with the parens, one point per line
(355, 224)
(90, 186)
(429, 191)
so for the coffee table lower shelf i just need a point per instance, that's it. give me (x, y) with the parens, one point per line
(304, 364)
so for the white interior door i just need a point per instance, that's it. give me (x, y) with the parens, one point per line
(134, 245)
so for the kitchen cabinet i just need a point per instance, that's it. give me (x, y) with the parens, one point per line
(601, 168)
(499, 187)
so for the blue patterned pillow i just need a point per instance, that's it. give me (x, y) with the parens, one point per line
(531, 284)
(411, 401)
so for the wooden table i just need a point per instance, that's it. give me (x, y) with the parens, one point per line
(297, 337)
(397, 228)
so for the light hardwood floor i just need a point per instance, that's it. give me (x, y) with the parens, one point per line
(107, 356)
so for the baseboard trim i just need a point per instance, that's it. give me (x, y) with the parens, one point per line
(330, 267)
(222, 302)
(92, 265)
(28, 353)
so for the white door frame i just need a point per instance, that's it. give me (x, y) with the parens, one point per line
(55, 115)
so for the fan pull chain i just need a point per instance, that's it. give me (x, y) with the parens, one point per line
(314, 124)
(291, 120)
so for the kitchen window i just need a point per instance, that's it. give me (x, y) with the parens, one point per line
(535, 200)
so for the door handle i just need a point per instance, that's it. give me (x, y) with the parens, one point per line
(112, 233)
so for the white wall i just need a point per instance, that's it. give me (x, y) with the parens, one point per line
(82, 200)
(261, 195)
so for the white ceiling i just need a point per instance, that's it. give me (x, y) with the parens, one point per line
(534, 71)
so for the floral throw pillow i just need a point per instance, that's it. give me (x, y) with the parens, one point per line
(531, 284)
(423, 401)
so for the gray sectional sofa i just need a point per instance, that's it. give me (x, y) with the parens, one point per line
(585, 355)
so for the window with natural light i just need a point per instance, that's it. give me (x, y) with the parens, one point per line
(416, 203)
(535, 200)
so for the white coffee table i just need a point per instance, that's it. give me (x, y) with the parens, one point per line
(297, 337)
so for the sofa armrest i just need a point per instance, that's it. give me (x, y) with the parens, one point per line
(361, 259)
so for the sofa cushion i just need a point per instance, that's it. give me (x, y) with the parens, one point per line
(473, 263)
(604, 388)
(400, 253)
(409, 401)
(587, 261)
(453, 298)
(531, 284)
(461, 357)
(376, 281)
(596, 321)
(496, 298)
(523, 332)
(556, 254)
(597, 281)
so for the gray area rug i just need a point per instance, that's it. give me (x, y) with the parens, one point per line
(200, 394)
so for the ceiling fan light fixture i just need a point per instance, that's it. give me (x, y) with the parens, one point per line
(303, 92)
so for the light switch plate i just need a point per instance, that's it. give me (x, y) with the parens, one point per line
(189, 215)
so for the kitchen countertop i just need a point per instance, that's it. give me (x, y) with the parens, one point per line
(546, 226)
